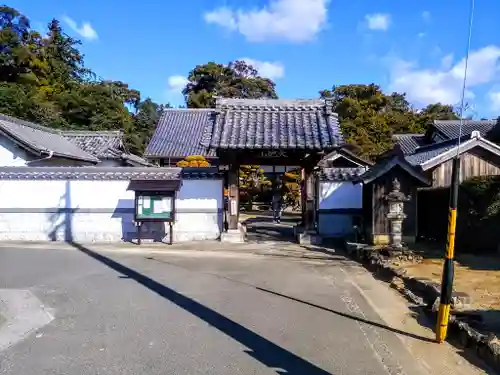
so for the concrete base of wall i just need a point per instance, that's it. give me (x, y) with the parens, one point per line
(309, 238)
(233, 236)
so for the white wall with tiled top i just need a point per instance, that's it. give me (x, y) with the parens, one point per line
(101, 211)
(337, 195)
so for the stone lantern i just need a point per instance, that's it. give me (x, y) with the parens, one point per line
(396, 214)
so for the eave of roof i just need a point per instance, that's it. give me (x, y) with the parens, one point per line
(464, 146)
(340, 174)
(106, 173)
(40, 140)
(386, 165)
(343, 152)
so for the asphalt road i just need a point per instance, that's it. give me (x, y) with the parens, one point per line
(158, 314)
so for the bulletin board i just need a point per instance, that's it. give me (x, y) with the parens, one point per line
(154, 206)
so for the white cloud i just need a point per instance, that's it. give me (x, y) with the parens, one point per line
(494, 100)
(291, 20)
(426, 15)
(378, 21)
(447, 61)
(176, 84)
(421, 35)
(86, 30)
(424, 86)
(268, 69)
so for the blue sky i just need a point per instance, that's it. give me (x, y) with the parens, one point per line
(409, 46)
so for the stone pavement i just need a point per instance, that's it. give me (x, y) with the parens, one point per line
(227, 310)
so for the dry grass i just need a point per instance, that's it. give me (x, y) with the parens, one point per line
(477, 276)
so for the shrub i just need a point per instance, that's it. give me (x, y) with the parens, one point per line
(193, 161)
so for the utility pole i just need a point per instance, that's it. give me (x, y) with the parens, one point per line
(448, 266)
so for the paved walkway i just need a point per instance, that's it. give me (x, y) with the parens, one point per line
(211, 312)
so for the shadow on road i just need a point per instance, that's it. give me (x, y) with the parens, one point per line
(339, 313)
(263, 350)
(349, 316)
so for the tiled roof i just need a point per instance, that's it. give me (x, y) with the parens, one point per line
(429, 156)
(105, 173)
(272, 124)
(450, 128)
(409, 142)
(135, 160)
(179, 133)
(98, 143)
(425, 153)
(386, 165)
(340, 174)
(41, 140)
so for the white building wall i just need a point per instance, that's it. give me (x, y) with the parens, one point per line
(101, 211)
(335, 197)
(10, 154)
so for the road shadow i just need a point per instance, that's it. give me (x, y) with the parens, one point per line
(294, 299)
(260, 348)
(263, 228)
(349, 316)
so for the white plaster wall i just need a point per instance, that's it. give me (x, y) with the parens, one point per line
(10, 154)
(101, 211)
(337, 195)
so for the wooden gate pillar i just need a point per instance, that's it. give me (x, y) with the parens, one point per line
(310, 213)
(234, 196)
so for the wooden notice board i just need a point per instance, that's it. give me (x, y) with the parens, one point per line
(154, 206)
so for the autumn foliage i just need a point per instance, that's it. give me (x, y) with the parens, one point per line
(193, 161)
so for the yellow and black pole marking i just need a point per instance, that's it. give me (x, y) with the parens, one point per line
(448, 267)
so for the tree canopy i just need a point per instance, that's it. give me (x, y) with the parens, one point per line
(368, 117)
(44, 79)
(234, 80)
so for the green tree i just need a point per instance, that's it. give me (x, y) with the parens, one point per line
(366, 116)
(45, 80)
(291, 189)
(369, 117)
(145, 119)
(252, 180)
(235, 80)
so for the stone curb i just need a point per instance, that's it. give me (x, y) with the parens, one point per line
(425, 293)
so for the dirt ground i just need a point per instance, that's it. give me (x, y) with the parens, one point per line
(477, 276)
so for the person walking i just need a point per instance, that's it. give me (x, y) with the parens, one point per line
(277, 207)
